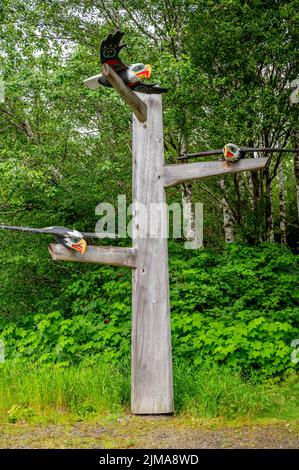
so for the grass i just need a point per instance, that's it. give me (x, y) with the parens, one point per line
(35, 394)
(29, 391)
(221, 392)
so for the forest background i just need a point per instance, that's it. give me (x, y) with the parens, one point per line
(229, 66)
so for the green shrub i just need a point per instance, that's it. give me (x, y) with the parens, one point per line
(238, 309)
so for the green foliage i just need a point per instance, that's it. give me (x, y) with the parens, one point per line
(239, 309)
(51, 339)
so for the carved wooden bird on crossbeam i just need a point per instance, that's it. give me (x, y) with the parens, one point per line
(69, 238)
(131, 75)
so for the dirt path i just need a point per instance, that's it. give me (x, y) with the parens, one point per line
(136, 432)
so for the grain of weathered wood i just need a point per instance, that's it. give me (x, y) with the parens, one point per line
(174, 174)
(115, 256)
(152, 388)
(137, 105)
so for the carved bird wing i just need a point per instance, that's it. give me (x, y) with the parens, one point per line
(148, 89)
(110, 48)
(59, 231)
(56, 231)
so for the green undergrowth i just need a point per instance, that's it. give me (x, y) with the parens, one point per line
(41, 394)
(234, 319)
(238, 309)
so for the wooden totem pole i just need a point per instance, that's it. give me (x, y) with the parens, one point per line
(152, 387)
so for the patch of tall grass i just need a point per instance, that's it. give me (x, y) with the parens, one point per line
(221, 392)
(29, 392)
(82, 390)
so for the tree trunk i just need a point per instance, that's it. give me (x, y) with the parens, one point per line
(252, 198)
(282, 207)
(188, 214)
(255, 186)
(296, 169)
(228, 224)
(269, 233)
(238, 185)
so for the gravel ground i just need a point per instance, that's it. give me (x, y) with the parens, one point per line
(149, 433)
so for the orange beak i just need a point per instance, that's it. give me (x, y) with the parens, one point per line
(145, 73)
(80, 246)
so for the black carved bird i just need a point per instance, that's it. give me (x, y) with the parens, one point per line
(131, 75)
(67, 237)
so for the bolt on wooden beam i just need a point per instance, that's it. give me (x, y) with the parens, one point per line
(136, 104)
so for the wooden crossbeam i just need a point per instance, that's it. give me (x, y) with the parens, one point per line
(136, 104)
(174, 174)
(113, 255)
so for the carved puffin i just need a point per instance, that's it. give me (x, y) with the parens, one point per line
(232, 153)
(69, 238)
(131, 75)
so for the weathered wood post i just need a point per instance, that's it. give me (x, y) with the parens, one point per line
(152, 388)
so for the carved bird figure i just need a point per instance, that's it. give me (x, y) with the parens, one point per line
(69, 238)
(132, 75)
(232, 153)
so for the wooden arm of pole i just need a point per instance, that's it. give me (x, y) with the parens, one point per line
(138, 107)
(174, 174)
(113, 255)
